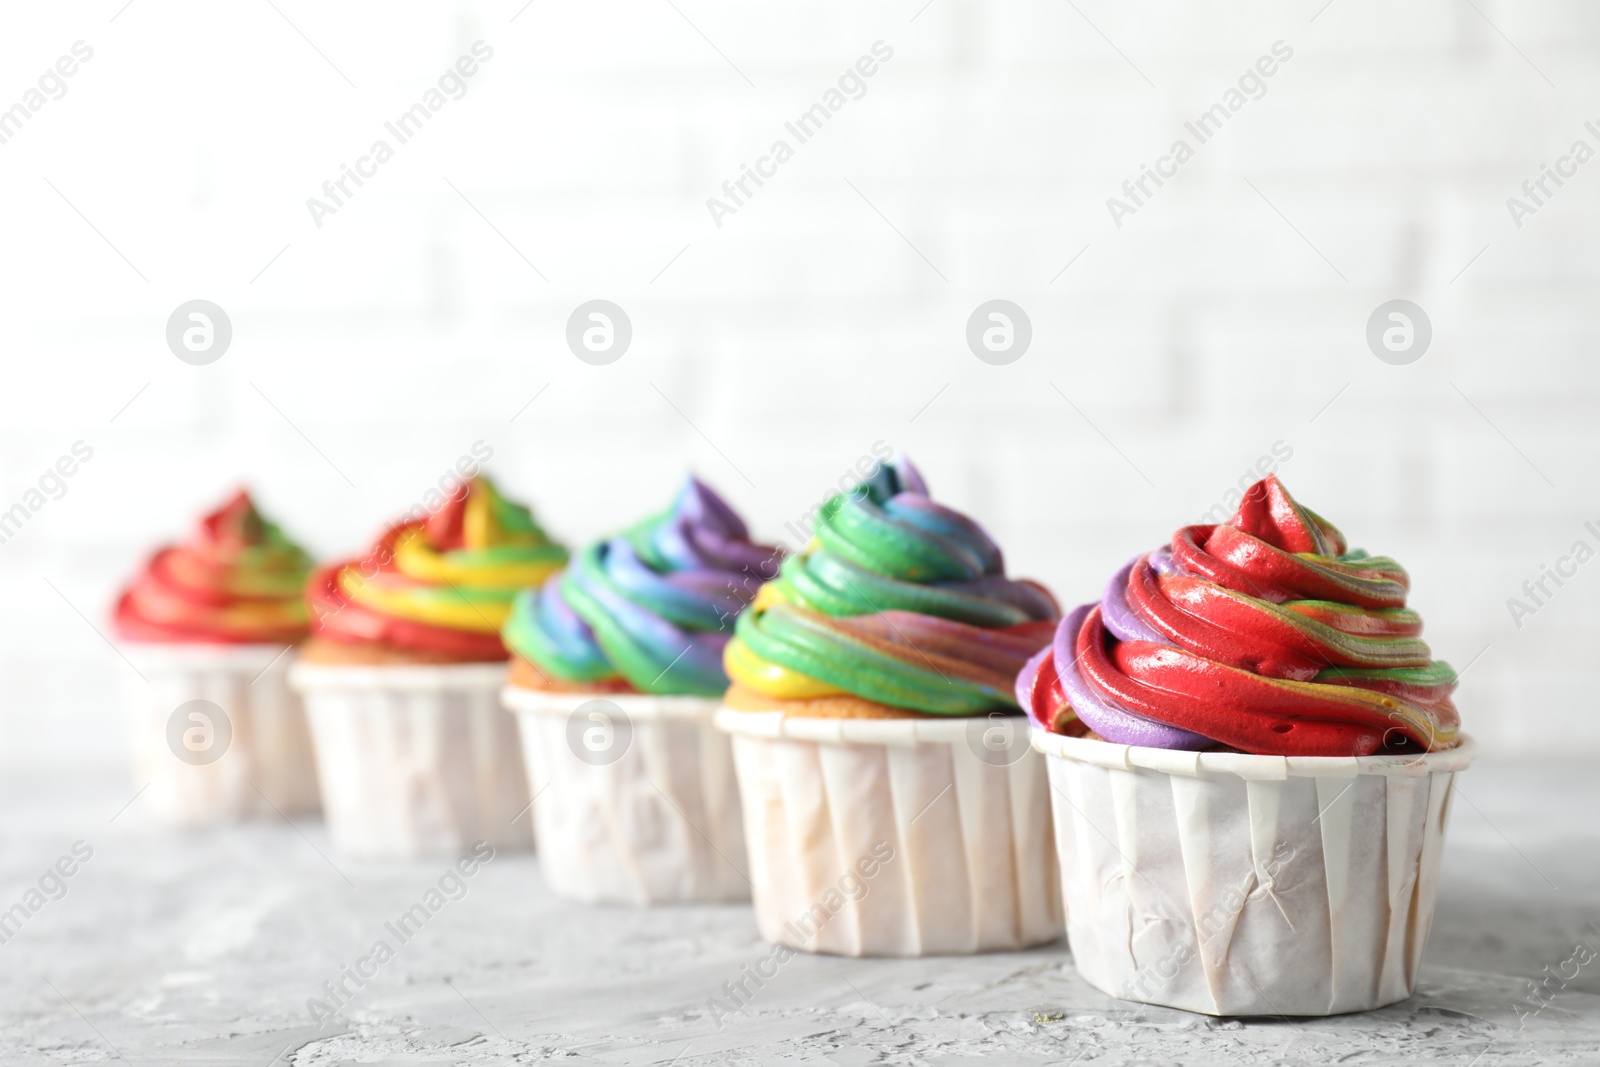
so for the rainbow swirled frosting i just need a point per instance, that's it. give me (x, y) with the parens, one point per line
(237, 580)
(650, 609)
(441, 585)
(1264, 633)
(897, 600)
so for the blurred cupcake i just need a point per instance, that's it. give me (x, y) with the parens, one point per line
(616, 674)
(216, 731)
(401, 676)
(892, 804)
(1252, 821)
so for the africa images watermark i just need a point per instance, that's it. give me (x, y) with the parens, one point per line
(1216, 920)
(51, 485)
(1536, 191)
(853, 885)
(1538, 590)
(1282, 452)
(1204, 127)
(52, 887)
(804, 127)
(743, 588)
(452, 485)
(450, 887)
(1542, 991)
(403, 128)
(863, 470)
(52, 85)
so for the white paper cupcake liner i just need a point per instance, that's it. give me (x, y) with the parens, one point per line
(415, 760)
(1231, 884)
(895, 838)
(638, 809)
(265, 765)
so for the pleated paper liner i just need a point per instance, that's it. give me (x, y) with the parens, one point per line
(894, 837)
(634, 797)
(415, 760)
(1232, 884)
(265, 763)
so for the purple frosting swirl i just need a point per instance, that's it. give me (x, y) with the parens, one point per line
(1110, 721)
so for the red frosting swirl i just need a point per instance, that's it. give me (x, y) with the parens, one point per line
(1266, 634)
(237, 580)
(344, 620)
(440, 585)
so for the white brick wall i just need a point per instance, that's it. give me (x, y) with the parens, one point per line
(1196, 336)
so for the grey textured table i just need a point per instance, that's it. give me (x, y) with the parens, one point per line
(205, 947)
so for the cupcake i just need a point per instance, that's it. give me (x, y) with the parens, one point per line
(1251, 753)
(892, 804)
(615, 677)
(216, 732)
(401, 673)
